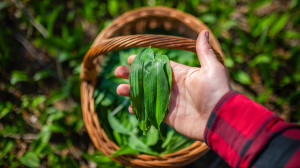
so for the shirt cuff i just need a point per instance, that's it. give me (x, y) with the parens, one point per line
(235, 122)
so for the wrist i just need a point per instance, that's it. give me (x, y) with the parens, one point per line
(213, 105)
(216, 108)
(207, 110)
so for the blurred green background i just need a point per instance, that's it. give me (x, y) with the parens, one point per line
(42, 44)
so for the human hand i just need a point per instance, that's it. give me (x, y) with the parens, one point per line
(195, 91)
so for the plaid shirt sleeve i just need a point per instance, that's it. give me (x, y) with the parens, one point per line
(245, 134)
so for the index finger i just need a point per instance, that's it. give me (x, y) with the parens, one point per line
(131, 58)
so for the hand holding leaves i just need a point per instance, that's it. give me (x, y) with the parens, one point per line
(195, 91)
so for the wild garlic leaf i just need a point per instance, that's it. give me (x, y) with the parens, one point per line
(168, 138)
(179, 143)
(136, 88)
(150, 91)
(150, 79)
(135, 143)
(117, 126)
(152, 136)
(168, 70)
(124, 150)
(162, 91)
(117, 137)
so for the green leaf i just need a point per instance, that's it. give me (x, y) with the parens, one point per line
(152, 136)
(261, 58)
(228, 24)
(242, 77)
(194, 3)
(41, 75)
(113, 7)
(108, 100)
(36, 101)
(55, 115)
(117, 126)
(52, 17)
(179, 143)
(163, 91)
(293, 3)
(262, 38)
(118, 138)
(168, 138)
(150, 85)
(279, 24)
(5, 108)
(18, 76)
(6, 148)
(99, 96)
(101, 160)
(30, 159)
(175, 142)
(264, 24)
(167, 70)
(136, 88)
(136, 144)
(133, 121)
(291, 34)
(57, 128)
(56, 95)
(124, 150)
(41, 140)
(97, 157)
(229, 62)
(181, 5)
(209, 18)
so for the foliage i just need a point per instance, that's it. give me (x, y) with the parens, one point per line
(42, 44)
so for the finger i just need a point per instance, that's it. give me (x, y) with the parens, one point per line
(205, 52)
(123, 90)
(122, 72)
(130, 109)
(131, 58)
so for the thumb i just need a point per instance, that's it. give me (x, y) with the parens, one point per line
(205, 53)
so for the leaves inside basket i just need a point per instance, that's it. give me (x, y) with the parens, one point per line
(123, 127)
(134, 142)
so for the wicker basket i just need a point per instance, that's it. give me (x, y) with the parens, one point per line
(120, 35)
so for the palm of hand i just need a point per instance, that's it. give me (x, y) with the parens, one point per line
(185, 112)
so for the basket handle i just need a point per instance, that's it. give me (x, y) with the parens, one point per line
(139, 20)
(116, 35)
(123, 42)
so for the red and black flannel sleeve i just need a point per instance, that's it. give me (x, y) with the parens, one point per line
(245, 134)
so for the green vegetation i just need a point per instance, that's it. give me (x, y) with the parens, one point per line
(42, 44)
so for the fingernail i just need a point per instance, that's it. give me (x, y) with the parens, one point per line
(207, 36)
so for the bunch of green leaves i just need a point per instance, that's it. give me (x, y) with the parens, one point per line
(150, 80)
(123, 127)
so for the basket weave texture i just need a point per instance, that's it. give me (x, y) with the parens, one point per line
(125, 32)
